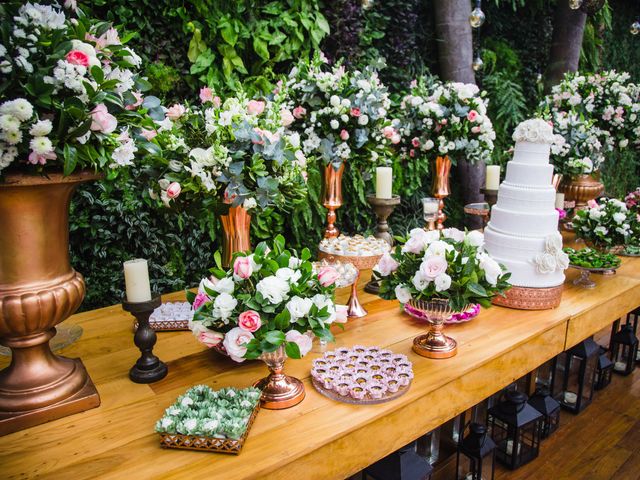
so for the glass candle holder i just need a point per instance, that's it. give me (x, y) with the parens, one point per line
(430, 211)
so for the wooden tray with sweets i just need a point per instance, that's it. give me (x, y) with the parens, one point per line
(361, 262)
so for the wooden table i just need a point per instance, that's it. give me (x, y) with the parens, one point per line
(320, 438)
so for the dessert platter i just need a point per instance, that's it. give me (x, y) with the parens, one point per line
(170, 316)
(361, 252)
(347, 271)
(523, 232)
(362, 375)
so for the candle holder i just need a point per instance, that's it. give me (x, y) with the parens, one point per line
(429, 214)
(383, 208)
(480, 209)
(440, 187)
(148, 368)
(491, 196)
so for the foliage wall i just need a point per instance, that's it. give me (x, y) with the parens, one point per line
(247, 42)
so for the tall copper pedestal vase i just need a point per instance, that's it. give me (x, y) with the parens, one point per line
(236, 228)
(440, 187)
(38, 290)
(332, 197)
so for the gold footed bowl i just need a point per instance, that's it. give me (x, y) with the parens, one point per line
(434, 344)
(38, 290)
(279, 391)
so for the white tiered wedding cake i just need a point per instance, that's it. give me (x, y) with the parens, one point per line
(523, 231)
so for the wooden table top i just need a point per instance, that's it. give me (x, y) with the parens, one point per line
(319, 438)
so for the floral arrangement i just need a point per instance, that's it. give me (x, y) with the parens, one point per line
(203, 411)
(605, 224)
(341, 115)
(632, 201)
(239, 151)
(447, 264)
(446, 119)
(269, 299)
(607, 98)
(71, 92)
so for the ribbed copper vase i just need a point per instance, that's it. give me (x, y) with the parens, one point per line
(440, 187)
(38, 290)
(581, 189)
(332, 197)
(236, 233)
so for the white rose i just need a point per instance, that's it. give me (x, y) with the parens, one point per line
(288, 275)
(453, 233)
(334, 124)
(206, 283)
(601, 230)
(334, 101)
(443, 282)
(322, 301)
(298, 307)
(419, 281)
(249, 203)
(546, 263)
(294, 262)
(623, 143)
(273, 289)
(224, 285)
(234, 342)
(562, 260)
(491, 269)
(553, 243)
(475, 238)
(363, 120)
(402, 294)
(414, 245)
(223, 306)
(439, 248)
(619, 217)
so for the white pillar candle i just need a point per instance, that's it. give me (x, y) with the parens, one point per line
(560, 200)
(136, 279)
(493, 177)
(619, 366)
(430, 207)
(384, 182)
(570, 398)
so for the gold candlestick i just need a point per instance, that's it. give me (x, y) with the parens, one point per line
(440, 189)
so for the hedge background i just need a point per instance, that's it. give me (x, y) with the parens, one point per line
(185, 44)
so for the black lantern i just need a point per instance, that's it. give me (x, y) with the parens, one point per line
(624, 349)
(515, 428)
(603, 372)
(549, 407)
(405, 464)
(574, 375)
(475, 459)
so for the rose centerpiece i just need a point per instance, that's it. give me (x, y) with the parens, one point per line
(269, 306)
(606, 225)
(437, 273)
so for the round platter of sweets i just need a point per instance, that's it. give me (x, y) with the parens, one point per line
(362, 252)
(362, 375)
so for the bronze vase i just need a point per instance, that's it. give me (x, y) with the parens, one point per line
(332, 196)
(581, 189)
(38, 290)
(440, 188)
(236, 233)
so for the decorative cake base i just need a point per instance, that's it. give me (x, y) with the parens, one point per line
(529, 298)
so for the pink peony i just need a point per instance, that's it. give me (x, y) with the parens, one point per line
(388, 132)
(249, 321)
(201, 299)
(386, 265)
(173, 190)
(148, 134)
(355, 112)
(286, 118)
(77, 57)
(102, 120)
(206, 95)
(432, 267)
(255, 107)
(299, 112)
(341, 314)
(210, 338)
(592, 204)
(176, 111)
(303, 341)
(137, 103)
(415, 141)
(327, 276)
(242, 267)
(36, 158)
(472, 116)
(344, 135)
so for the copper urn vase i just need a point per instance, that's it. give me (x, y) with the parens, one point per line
(279, 391)
(581, 189)
(38, 290)
(332, 197)
(236, 233)
(440, 187)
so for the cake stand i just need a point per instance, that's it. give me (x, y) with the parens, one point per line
(481, 209)
(584, 280)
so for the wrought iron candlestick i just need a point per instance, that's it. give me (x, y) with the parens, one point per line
(383, 208)
(148, 368)
(490, 196)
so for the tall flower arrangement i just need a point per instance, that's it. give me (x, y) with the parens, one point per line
(238, 150)
(340, 114)
(71, 95)
(446, 119)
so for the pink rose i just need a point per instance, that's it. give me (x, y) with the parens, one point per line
(388, 132)
(341, 314)
(148, 134)
(303, 341)
(242, 267)
(299, 112)
(201, 299)
(235, 343)
(412, 153)
(414, 245)
(344, 135)
(102, 120)
(327, 276)
(77, 57)
(415, 141)
(36, 158)
(592, 204)
(413, 84)
(355, 112)
(210, 338)
(472, 115)
(444, 121)
(475, 129)
(395, 138)
(286, 117)
(176, 111)
(432, 267)
(249, 321)
(138, 96)
(206, 95)
(255, 107)
(216, 101)
(173, 190)
(386, 265)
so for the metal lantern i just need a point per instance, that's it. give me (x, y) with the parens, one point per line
(476, 459)
(405, 464)
(624, 349)
(549, 407)
(603, 372)
(635, 27)
(477, 17)
(515, 428)
(574, 376)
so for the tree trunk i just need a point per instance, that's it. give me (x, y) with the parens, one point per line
(455, 55)
(568, 29)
